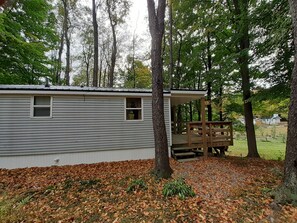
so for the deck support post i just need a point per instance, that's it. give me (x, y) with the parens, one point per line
(205, 148)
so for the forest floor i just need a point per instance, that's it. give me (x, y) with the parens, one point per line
(230, 189)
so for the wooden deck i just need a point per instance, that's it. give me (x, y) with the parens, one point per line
(217, 135)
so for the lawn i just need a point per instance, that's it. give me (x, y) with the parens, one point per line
(271, 143)
(230, 189)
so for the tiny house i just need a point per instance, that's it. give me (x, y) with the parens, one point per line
(61, 125)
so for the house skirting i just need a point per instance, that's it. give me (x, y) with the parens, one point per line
(11, 162)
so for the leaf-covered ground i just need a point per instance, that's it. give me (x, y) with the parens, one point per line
(227, 190)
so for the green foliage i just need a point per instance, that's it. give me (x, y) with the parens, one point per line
(137, 76)
(284, 195)
(238, 126)
(135, 185)
(27, 34)
(178, 188)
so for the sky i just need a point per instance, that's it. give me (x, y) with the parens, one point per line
(138, 17)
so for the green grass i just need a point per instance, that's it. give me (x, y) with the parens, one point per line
(271, 150)
(271, 142)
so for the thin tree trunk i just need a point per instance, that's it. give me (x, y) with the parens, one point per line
(290, 177)
(133, 60)
(209, 89)
(179, 120)
(170, 45)
(96, 52)
(67, 40)
(191, 111)
(156, 26)
(59, 66)
(100, 71)
(178, 61)
(221, 103)
(87, 73)
(104, 78)
(114, 45)
(241, 11)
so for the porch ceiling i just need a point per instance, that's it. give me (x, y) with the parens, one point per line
(179, 97)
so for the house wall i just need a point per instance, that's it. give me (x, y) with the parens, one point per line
(83, 129)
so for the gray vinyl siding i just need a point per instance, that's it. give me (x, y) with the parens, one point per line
(78, 124)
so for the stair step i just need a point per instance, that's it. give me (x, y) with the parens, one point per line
(182, 148)
(187, 159)
(185, 154)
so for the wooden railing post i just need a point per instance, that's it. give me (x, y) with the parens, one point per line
(205, 149)
(189, 134)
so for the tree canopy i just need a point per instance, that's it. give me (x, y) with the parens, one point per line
(27, 34)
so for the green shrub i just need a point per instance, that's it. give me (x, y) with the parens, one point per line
(137, 184)
(178, 188)
(283, 195)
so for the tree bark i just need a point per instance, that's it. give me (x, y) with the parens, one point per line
(290, 177)
(67, 40)
(114, 45)
(100, 70)
(96, 52)
(170, 45)
(156, 26)
(59, 65)
(241, 12)
(209, 89)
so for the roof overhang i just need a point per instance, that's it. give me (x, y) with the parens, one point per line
(179, 97)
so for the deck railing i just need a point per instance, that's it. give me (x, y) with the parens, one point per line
(216, 134)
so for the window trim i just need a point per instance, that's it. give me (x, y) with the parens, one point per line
(125, 108)
(41, 106)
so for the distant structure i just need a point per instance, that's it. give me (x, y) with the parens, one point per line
(274, 120)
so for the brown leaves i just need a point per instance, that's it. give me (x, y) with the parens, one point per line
(227, 190)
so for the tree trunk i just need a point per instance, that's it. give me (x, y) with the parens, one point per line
(221, 103)
(96, 53)
(100, 71)
(170, 46)
(178, 76)
(241, 11)
(114, 45)
(156, 26)
(87, 73)
(290, 177)
(67, 40)
(59, 65)
(209, 66)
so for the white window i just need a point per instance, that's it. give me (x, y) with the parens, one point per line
(41, 106)
(134, 109)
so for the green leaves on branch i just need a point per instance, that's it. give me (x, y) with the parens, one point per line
(26, 35)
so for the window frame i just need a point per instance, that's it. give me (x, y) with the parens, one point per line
(50, 106)
(127, 109)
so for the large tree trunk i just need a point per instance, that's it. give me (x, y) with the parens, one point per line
(96, 53)
(290, 177)
(156, 26)
(241, 12)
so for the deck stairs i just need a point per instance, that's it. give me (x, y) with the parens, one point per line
(185, 153)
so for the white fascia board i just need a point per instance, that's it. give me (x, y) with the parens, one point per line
(86, 93)
(188, 93)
